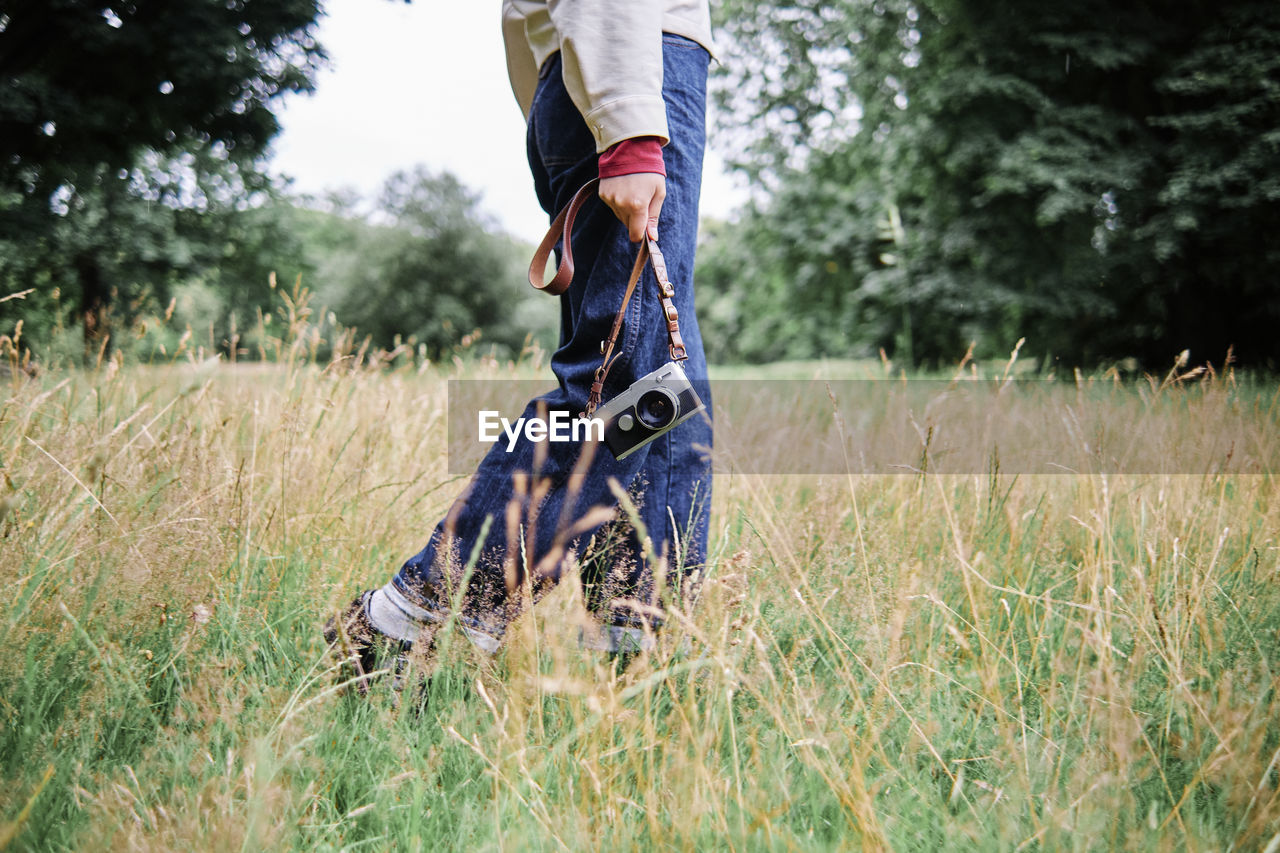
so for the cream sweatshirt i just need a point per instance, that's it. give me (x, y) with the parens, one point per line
(612, 52)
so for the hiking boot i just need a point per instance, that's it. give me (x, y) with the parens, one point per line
(364, 650)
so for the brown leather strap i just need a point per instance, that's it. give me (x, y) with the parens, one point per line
(668, 295)
(606, 347)
(560, 231)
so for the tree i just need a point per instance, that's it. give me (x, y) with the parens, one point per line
(98, 101)
(426, 266)
(1097, 177)
(90, 84)
(194, 224)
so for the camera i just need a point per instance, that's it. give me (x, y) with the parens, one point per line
(655, 403)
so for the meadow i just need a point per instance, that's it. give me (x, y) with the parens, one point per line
(921, 661)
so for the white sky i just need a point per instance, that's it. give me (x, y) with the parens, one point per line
(425, 83)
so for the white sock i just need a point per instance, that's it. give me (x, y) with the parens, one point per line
(390, 618)
(399, 618)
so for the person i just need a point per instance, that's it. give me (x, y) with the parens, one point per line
(615, 91)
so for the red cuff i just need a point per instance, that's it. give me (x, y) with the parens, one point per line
(641, 154)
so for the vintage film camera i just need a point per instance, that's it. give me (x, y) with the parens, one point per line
(653, 404)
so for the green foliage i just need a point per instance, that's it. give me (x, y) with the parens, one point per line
(426, 266)
(88, 85)
(1099, 179)
(120, 126)
(119, 249)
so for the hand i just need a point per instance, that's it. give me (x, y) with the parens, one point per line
(636, 200)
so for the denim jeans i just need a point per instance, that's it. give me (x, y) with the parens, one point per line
(520, 505)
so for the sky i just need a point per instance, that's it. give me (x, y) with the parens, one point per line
(425, 83)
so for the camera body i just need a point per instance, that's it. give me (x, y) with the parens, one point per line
(654, 404)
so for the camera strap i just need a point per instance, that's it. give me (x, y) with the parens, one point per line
(649, 254)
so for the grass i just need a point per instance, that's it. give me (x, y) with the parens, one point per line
(915, 662)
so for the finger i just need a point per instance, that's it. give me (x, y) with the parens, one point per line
(637, 223)
(631, 213)
(655, 208)
(628, 211)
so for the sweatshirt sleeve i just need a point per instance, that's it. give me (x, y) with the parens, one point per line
(631, 156)
(612, 59)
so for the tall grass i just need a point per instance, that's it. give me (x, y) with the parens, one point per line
(916, 662)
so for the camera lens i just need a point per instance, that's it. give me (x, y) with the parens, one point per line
(656, 408)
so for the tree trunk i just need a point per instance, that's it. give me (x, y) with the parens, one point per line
(94, 304)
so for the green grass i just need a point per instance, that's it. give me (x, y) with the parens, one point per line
(930, 662)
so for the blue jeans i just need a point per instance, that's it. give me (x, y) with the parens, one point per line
(520, 505)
